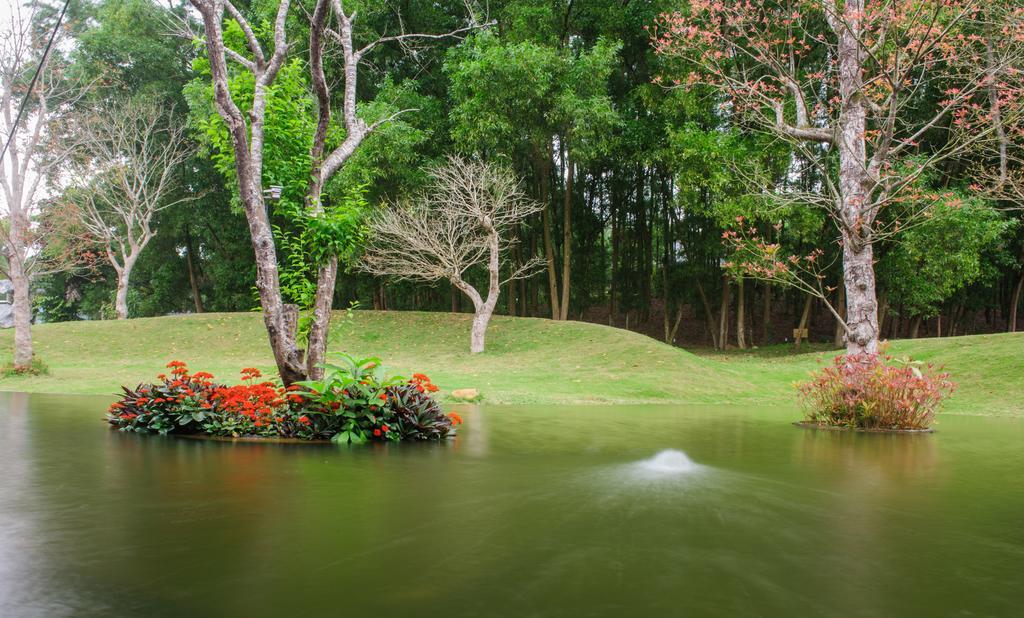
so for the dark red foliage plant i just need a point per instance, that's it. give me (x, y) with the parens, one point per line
(875, 391)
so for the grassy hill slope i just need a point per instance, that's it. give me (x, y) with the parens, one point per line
(527, 360)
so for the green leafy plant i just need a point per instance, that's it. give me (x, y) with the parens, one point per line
(376, 406)
(36, 368)
(355, 402)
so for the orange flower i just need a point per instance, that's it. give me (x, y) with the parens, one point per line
(456, 419)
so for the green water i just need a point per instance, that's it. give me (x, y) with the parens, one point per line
(532, 511)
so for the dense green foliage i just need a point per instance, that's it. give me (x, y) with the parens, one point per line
(657, 175)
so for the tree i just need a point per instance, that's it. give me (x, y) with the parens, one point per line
(932, 261)
(459, 221)
(551, 99)
(127, 159)
(844, 83)
(248, 137)
(33, 91)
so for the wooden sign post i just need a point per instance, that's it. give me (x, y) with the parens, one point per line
(799, 334)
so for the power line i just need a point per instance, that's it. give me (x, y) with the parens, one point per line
(35, 76)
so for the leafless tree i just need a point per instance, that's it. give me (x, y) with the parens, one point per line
(461, 220)
(125, 166)
(31, 164)
(247, 137)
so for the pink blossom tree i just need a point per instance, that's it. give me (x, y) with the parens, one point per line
(874, 92)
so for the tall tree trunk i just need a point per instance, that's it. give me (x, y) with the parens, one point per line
(320, 325)
(1015, 303)
(709, 315)
(567, 237)
(193, 279)
(121, 297)
(915, 326)
(22, 314)
(723, 325)
(483, 308)
(549, 249)
(840, 331)
(741, 310)
(249, 171)
(675, 326)
(857, 223)
(613, 288)
(766, 314)
(805, 318)
(124, 274)
(883, 312)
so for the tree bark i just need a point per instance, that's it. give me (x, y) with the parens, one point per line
(1015, 303)
(675, 327)
(741, 326)
(549, 249)
(840, 331)
(915, 326)
(805, 318)
(247, 144)
(193, 279)
(854, 180)
(566, 237)
(723, 324)
(483, 309)
(121, 297)
(22, 313)
(766, 314)
(709, 316)
(320, 325)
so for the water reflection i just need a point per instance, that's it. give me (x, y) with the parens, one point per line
(530, 511)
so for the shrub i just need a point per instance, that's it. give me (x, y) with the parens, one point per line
(36, 368)
(372, 406)
(354, 403)
(179, 403)
(871, 391)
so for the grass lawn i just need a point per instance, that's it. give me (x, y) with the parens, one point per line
(528, 360)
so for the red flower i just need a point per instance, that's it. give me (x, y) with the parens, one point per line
(141, 401)
(304, 420)
(376, 432)
(385, 428)
(250, 373)
(383, 396)
(456, 419)
(206, 405)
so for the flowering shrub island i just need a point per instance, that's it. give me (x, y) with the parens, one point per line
(873, 391)
(355, 402)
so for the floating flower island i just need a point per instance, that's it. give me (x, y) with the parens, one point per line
(355, 402)
(874, 393)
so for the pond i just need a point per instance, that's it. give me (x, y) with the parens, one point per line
(531, 511)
